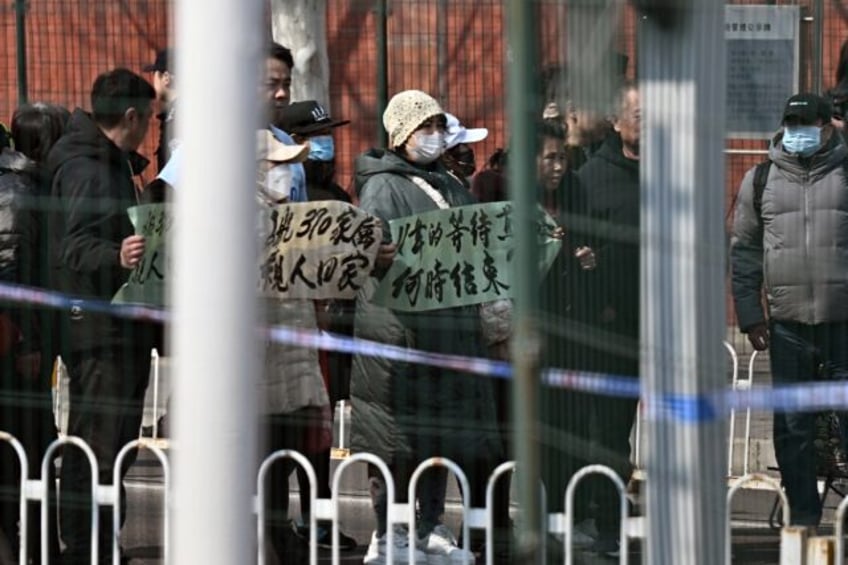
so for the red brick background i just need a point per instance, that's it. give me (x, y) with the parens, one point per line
(71, 41)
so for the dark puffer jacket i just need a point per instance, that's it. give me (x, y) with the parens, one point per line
(18, 184)
(404, 410)
(22, 247)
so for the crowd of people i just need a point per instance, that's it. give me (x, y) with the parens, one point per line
(68, 178)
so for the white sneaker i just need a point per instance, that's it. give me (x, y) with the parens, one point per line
(441, 548)
(377, 548)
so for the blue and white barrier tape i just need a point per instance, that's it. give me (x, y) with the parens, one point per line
(691, 408)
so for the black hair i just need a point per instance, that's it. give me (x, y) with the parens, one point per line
(497, 160)
(36, 127)
(550, 129)
(116, 91)
(282, 54)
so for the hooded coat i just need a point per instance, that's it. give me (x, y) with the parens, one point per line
(19, 180)
(797, 246)
(404, 410)
(92, 184)
(610, 304)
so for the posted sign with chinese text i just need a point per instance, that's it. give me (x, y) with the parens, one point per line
(762, 66)
(146, 283)
(457, 257)
(317, 250)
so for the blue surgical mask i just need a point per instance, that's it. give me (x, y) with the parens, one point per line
(322, 148)
(802, 140)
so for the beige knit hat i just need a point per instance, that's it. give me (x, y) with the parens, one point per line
(405, 112)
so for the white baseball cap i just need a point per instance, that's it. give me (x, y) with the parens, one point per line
(457, 133)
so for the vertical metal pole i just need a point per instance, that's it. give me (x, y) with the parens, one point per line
(682, 72)
(523, 108)
(442, 52)
(20, 47)
(382, 69)
(818, 46)
(214, 324)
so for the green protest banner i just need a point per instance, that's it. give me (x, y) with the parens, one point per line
(317, 250)
(457, 257)
(146, 283)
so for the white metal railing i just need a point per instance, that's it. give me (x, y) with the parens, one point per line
(466, 500)
(740, 384)
(737, 485)
(734, 359)
(138, 444)
(839, 531)
(625, 527)
(261, 510)
(102, 495)
(632, 527)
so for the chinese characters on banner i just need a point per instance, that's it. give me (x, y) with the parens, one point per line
(457, 257)
(146, 283)
(316, 250)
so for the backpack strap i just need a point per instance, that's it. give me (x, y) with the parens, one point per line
(761, 174)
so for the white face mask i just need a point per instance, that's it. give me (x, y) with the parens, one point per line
(428, 147)
(278, 182)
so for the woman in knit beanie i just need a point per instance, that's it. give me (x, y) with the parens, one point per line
(406, 413)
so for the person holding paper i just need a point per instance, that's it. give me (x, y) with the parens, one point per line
(294, 407)
(93, 247)
(406, 413)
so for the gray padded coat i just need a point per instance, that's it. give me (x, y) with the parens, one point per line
(401, 410)
(798, 249)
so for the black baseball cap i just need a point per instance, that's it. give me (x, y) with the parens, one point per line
(304, 118)
(808, 108)
(162, 62)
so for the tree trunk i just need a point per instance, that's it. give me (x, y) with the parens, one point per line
(300, 25)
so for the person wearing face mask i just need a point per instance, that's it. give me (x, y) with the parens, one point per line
(405, 412)
(789, 240)
(459, 156)
(310, 123)
(294, 407)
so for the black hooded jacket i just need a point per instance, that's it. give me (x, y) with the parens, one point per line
(92, 185)
(611, 184)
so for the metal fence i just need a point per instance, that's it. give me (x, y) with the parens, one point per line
(559, 523)
(632, 527)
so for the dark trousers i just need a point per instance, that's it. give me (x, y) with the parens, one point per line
(106, 402)
(285, 431)
(430, 494)
(595, 429)
(801, 353)
(609, 425)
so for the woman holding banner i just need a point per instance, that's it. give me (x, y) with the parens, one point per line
(406, 412)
